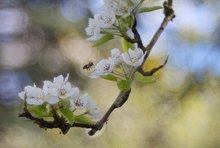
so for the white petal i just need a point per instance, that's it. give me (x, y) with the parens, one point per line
(104, 67)
(134, 57)
(59, 79)
(67, 77)
(34, 101)
(21, 95)
(107, 19)
(116, 56)
(52, 100)
(92, 109)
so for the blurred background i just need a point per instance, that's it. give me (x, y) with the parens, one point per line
(40, 39)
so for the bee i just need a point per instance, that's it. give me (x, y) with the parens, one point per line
(88, 66)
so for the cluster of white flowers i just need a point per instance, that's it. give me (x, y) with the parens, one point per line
(104, 22)
(54, 92)
(132, 58)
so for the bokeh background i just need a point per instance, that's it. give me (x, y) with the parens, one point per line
(40, 39)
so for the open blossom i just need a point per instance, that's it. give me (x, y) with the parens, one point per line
(36, 96)
(106, 19)
(104, 67)
(59, 87)
(79, 101)
(93, 30)
(116, 56)
(120, 7)
(134, 57)
(84, 102)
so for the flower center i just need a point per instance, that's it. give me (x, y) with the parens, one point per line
(79, 103)
(62, 91)
(107, 67)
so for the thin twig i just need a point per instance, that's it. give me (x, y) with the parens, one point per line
(169, 15)
(152, 71)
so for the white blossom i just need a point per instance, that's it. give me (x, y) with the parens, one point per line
(79, 102)
(104, 67)
(106, 19)
(120, 7)
(116, 56)
(59, 88)
(93, 30)
(134, 57)
(37, 96)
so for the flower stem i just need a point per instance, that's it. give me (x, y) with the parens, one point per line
(123, 69)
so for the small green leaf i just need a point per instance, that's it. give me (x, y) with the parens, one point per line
(144, 79)
(40, 111)
(83, 119)
(124, 85)
(126, 45)
(64, 103)
(103, 40)
(109, 77)
(68, 114)
(149, 9)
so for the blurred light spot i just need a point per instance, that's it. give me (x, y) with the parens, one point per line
(197, 59)
(40, 3)
(201, 19)
(13, 21)
(78, 50)
(73, 10)
(95, 6)
(10, 3)
(52, 60)
(11, 84)
(173, 80)
(192, 125)
(14, 54)
(34, 37)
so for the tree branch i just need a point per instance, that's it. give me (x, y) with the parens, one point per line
(169, 15)
(60, 122)
(120, 100)
(123, 96)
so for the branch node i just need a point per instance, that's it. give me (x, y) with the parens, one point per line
(154, 70)
(168, 10)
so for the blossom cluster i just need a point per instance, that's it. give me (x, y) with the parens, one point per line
(106, 21)
(132, 58)
(54, 92)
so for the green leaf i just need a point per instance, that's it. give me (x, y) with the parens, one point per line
(126, 45)
(144, 79)
(109, 77)
(68, 114)
(124, 85)
(64, 103)
(149, 9)
(83, 119)
(40, 111)
(103, 40)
